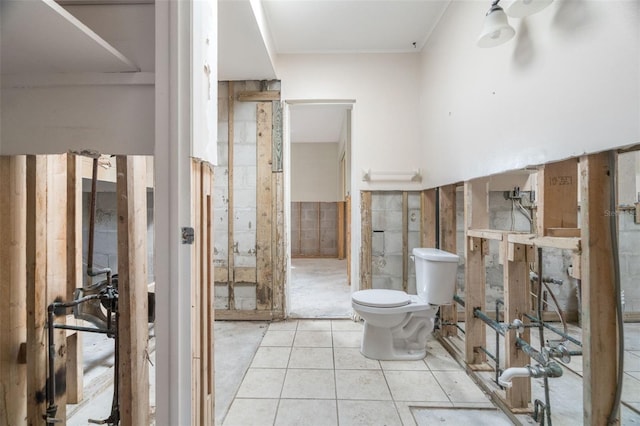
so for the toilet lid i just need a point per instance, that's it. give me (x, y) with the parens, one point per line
(381, 298)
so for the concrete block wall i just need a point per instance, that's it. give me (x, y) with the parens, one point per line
(313, 236)
(386, 219)
(105, 254)
(629, 249)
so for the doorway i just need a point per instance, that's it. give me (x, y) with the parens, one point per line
(318, 184)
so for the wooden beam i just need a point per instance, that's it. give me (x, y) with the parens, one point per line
(279, 247)
(487, 234)
(13, 291)
(550, 242)
(448, 234)
(230, 203)
(340, 205)
(238, 315)
(366, 237)
(564, 232)
(476, 215)
(428, 218)
(259, 96)
(516, 304)
(206, 292)
(133, 339)
(405, 241)
(75, 367)
(264, 221)
(197, 361)
(599, 331)
(348, 224)
(557, 196)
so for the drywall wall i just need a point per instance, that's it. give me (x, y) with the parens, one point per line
(568, 83)
(107, 112)
(314, 172)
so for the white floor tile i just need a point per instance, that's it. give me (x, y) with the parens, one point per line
(313, 339)
(283, 325)
(319, 358)
(309, 384)
(346, 325)
(262, 383)
(630, 389)
(441, 362)
(278, 338)
(367, 413)
(347, 339)
(251, 412)
(299, 412)
(404, 365)
(459, 387)
(415, 386)
(448, 416)
(271, 357)
(362, 384)
(314, 325)
(352, 359)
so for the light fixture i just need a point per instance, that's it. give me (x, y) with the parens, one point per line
(496, 28)
(522, 8)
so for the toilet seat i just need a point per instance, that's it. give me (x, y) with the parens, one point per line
(381, 298)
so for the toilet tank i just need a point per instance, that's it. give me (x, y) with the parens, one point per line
(435, 275)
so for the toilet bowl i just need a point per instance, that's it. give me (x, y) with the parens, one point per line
(397, 325)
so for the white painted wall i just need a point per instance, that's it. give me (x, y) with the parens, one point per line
(567, 84)
(384, 134)
(314, 172)
(108, 112)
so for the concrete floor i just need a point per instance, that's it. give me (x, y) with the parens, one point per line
(319, 289)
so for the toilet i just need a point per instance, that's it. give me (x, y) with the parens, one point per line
(396, 324)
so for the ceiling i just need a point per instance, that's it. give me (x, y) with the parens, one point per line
(251, 33)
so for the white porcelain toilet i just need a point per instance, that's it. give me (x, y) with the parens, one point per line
(396, 324)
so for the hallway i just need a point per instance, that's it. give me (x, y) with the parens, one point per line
(319, 289)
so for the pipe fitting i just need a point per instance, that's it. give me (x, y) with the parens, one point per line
(552, 369)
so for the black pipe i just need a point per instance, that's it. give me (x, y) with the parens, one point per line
(79, 328)
(491, 323)
(531, 351)
(489, 354)
(498, 370)
(458, 300)
(52, 408)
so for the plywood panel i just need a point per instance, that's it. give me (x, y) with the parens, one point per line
(13, 296)
(557, 196)
(132, 287)
(428, 218)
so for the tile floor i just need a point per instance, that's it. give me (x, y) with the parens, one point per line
(311, 372)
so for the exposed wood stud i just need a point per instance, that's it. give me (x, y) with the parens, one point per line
(13, 291)
(348, 214)
(132, 287)
(598, 291)
(428, 218)
(516, 304)
(75, 368)
(366, 237)
(475, 216)
(279, 244)
(557, 196)
(264, 253)
(405, 241)
(341, 238)
(259, 96)
(448, 243)
(230, 207)
(197, 385)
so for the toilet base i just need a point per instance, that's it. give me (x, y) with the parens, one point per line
(378, 342)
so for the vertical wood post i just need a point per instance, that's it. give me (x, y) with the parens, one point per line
(132, 289)
(348, 225)
(230, 203)
(197, 362)
(428, 218)
(13, 294)
(279, 245)
(557, 196)
(46, 278)
(367, 239)
(599, 331)
(264, 253)
(516, 304)
(405, 241)
(475, 217)
(75, 366)
(448, 314)
(340, 206)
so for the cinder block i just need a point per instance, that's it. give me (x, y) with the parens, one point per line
(245, 221)
(106, 200)
(244, 198)
(378, 219)
(414, 200)
(394, 266)
(381, 282)
(106, 241)
(414, 241)
(393, 221)
(414, 220)
(393, 243)
(629, 243)
(377, 243)
(245, 261)
(245, 111)
(245, 243)
(244, 155)
(378, 202)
